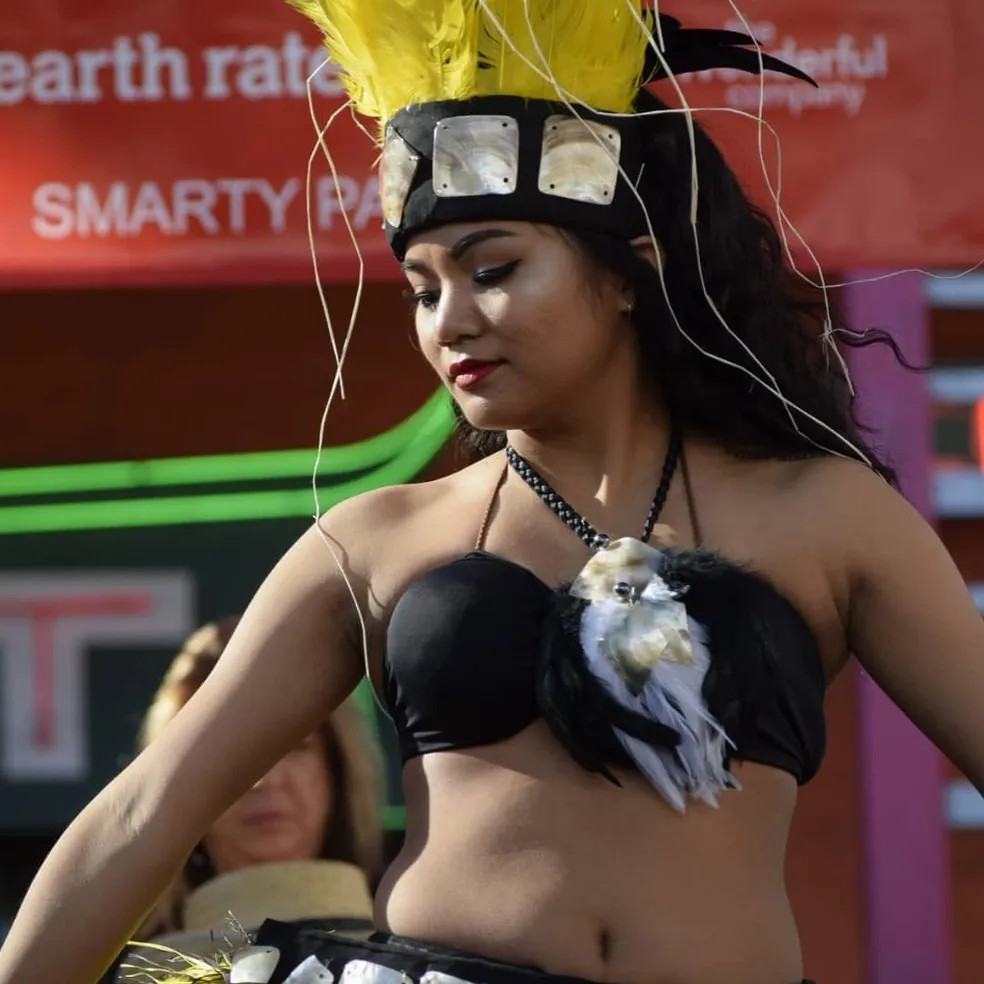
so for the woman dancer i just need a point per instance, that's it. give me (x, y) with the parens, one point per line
(603, 723)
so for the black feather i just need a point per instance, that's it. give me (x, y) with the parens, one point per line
(696, 49)
(762, 685)
(576, 706)
(764, 659)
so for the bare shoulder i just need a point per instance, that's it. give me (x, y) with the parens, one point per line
(839, 487)
(909, 618)
(862, 516)
(819, 495)
(848, 494)
(389, 507)
(375, 525)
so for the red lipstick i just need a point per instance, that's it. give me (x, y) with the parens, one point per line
(467, 373)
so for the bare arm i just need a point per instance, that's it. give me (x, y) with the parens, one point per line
(293, 658)
(912, 623)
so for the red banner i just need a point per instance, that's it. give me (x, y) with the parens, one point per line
(168, 140)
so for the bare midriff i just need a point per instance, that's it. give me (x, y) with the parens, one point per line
(516, 853)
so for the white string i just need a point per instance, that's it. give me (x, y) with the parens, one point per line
(784, 221)
(784, 218)
(567, 98)
(337, 384)
(788, 405)
(888, 275)
(360, 283)
(358, 122)
(781, 217)
(311, 239)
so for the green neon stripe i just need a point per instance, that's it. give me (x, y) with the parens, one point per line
(363, 700)
(394, 817)
(429, 437)
(205, 469)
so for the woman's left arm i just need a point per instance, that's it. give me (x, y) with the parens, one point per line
(911, 621)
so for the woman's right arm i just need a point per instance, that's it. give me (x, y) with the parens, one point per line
(293, 658)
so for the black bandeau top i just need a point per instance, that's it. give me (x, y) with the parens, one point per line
(479, 648)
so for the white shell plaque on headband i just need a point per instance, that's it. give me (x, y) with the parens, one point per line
(397, 166)
(476, 155)
(579, 160)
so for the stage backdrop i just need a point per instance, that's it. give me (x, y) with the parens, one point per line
(167, 142)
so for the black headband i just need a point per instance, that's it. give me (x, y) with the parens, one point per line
(496, 157)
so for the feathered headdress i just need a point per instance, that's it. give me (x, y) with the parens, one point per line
(396, 53)
(473, 99)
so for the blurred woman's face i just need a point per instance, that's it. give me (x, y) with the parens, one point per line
(282, 818)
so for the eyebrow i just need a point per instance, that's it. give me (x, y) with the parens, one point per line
(461, 247)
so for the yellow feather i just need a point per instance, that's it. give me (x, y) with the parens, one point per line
(595, 50)
(174, 967)
(393, 53)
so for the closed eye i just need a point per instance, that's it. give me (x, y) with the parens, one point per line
(495, 275)
(426, 299)
(429, 299)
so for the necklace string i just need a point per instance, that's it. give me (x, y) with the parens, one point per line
(574, 520)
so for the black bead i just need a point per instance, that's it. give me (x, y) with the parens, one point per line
(578, 524)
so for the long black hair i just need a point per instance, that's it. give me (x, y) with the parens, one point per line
(777, 315)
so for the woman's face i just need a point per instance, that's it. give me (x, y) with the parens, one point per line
(282, 818)
(513, 319)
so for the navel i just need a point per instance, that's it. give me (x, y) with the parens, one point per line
(604, 945)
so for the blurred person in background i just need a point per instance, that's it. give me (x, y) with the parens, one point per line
(304, 842)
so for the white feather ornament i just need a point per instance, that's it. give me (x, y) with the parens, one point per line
(652, 658)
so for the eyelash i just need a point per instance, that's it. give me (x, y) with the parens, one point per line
(427, 299)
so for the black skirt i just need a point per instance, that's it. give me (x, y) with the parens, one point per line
(307, 951)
